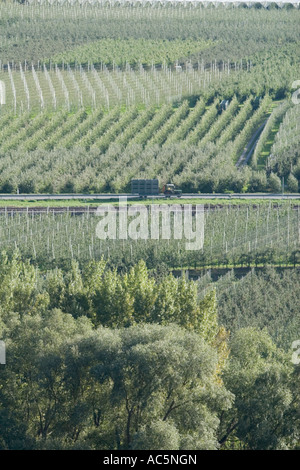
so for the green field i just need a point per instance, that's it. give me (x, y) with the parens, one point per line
(234, 235)
(127, 87)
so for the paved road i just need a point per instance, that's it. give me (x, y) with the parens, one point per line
(249, 149)
(106, 197)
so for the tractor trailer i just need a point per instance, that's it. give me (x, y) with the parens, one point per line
(150, 187)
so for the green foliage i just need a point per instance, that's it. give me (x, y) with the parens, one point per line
(105, 348)
(274, 183)
(292, 183)
(236, 64)
(27, 36)
(101, 152)
(108, 298)
(158, 435)
(251, 126)
(159, 373)
(261, 377)
(234, 236)
(267, 299)
(268, 132)
(130, 51)
(161, 380)
(100, 389)
(285, 149)
(18, 286)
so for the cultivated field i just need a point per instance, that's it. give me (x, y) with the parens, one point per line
(117, 82)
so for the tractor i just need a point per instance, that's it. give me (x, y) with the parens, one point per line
(169, 190)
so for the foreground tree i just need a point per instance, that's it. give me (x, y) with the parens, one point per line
(160, 378)
(265, 415)
(68, 385)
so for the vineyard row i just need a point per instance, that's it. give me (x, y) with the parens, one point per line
(150, 126)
